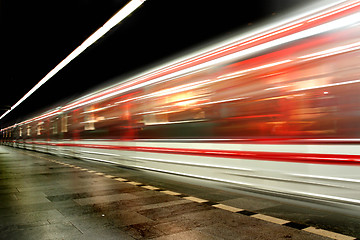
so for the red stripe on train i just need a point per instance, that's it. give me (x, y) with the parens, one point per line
(311, 158)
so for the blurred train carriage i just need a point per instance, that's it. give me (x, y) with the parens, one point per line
(276, 111)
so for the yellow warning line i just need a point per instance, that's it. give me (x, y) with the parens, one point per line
(270, 219)
(195, 199)
(121, 179)
(150, 187)
(228, 208)
(171, 193)
(328, 234)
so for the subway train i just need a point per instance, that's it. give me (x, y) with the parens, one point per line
(275, 110)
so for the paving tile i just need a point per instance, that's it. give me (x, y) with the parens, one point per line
(64, 197)
(160, 205)
(107, 234)
(20, 209)
(143, 231)
(103, 199)
(88, 223)
(37, 188)
(144, 193)
(29, 195)
(170, 211)
(23, 203)
(8, 190)
(117, 190)
(101, 184)
(51, 216)
(88, 194)
(194, 235)
(21, 226)
(7, 197)
(31, 200)
(126, 218)
(52, 231)
(213, 216)
(138, 203)
(79, 211)
(90, 187)
(250, 203)
(175, 226)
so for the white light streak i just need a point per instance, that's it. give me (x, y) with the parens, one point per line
(174, 122)
(334, 12)
(5, 113)
(275, 88)
(328, 85)
(333, 51)
(112, 22)
(223, 101)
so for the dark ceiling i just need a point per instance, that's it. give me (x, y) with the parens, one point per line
(37, 35)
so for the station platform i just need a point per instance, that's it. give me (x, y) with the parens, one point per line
(49, 197)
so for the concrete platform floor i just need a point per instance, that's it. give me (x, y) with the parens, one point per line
(48, 197)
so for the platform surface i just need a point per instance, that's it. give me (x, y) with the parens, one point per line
(48, 197)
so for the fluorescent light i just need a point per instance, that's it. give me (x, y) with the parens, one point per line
(112, 22)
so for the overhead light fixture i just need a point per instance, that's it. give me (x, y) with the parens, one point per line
(112, 22)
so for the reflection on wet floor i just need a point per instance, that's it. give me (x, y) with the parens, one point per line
(42, 199)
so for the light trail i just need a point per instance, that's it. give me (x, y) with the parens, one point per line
(112, 22)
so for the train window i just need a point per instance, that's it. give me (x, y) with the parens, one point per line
(20, 131)
(89, 118)
(40, 128)
(64, 123)
(54, 126)
(28, 130)
(184, 103)
(178, 109)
